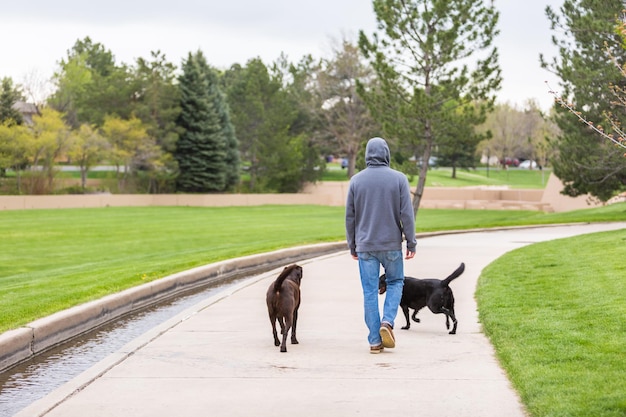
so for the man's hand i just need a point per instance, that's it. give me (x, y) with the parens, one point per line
(409, 254)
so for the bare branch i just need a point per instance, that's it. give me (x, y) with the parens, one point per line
(619, 140)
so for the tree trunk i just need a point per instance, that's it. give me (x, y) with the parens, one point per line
(419, 189)
(83, 177)
(351, 164)
(19, 180)
(421, 182)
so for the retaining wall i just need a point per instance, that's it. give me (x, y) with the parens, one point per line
(322, 193)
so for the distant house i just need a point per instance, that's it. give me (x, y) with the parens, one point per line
(28, 110)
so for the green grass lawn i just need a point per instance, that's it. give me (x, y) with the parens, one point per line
(54, 259)
(442, 177)
(556, 314)
(96, 175)
(437, 177)
(513, 178)
(555, 311)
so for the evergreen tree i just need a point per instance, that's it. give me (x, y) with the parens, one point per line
(586, 162)
(231, 158)
(202, 149)
(458, 142)
(427, 55)
(9, 95)
(157, 98)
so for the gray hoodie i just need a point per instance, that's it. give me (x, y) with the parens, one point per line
(378, 207)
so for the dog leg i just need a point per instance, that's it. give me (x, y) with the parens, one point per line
(414, 316)
(450, 313)
(274, 332)
(294, 340)
(286, 327)
(405, 310)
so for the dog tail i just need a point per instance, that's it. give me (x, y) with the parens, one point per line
(281, 278)
(457, 272)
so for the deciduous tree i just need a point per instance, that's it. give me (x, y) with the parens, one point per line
(271, 125)
(15, 149)
(347, 117)
(87, 149)
(131, 147)
(90, 85)
(505, 124)
(51, 140)
(305, 127)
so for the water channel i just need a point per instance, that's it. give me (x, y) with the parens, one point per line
(32, 380)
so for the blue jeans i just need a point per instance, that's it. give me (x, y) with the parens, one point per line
(369, 268)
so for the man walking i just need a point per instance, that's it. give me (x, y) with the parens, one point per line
(378, 213)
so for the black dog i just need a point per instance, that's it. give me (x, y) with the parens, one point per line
(283, 301)
(434, 293)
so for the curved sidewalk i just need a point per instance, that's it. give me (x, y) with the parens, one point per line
(218, 358)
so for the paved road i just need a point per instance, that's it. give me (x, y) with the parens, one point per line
(218, 358)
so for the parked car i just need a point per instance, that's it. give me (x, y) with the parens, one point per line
(528, 164)
(512, 162)
(432, 162)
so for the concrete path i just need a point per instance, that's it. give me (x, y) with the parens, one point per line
(218, 358)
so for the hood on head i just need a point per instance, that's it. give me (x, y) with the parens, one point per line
(377, 152)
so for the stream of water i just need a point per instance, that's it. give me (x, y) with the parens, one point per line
(30, 381)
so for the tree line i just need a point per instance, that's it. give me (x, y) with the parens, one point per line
(164, 129)
(426, 81)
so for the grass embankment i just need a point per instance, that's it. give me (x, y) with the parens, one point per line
(556, 314)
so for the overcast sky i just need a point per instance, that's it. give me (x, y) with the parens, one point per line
(36, 34)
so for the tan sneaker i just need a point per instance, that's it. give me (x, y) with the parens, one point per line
(386, 333)
(377, 349)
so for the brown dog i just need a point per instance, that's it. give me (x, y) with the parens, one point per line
(283, 301)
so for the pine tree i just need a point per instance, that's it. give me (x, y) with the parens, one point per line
(9, 95)
(158, 99)
(231, 158)
(586, 162)
(202, 150)
(427, 55)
